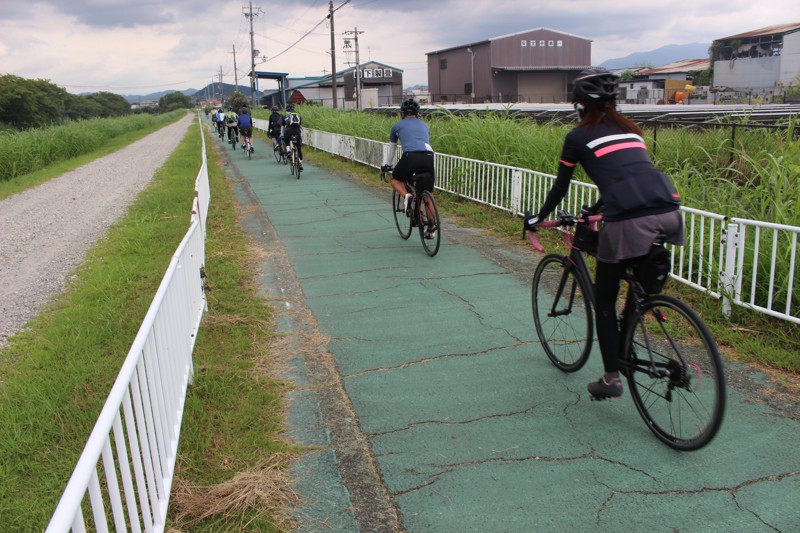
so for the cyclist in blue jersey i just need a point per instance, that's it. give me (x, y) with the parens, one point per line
(414, 136)
(245, 123)
(640, 203)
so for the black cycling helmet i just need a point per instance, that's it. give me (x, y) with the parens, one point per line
(595, 85)
(290, 107)
(409, 107)
(274, 108)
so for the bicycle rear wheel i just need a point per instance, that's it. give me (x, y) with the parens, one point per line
(277, 153)
(430, 228)
(401, 219)
(562, 312)
(681, 394)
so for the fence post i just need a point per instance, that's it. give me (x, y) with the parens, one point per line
(730, 240)
(516, 191)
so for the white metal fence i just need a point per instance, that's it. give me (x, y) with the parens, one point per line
(744, 262)
(127, 465)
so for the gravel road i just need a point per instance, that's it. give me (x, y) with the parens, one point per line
(46, 231)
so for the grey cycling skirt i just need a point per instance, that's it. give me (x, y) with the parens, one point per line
(625, 239)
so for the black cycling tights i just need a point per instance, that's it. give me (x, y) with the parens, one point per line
(607, 281)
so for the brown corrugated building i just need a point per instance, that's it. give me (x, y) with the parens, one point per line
(535, 66)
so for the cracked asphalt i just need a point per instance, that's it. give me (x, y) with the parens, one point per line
(421, 384)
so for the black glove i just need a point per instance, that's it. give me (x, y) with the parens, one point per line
(386, 168)
(530, 221)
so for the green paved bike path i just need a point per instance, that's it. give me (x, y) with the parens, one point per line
(469, 425)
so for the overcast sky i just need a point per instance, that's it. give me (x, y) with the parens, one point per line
(145, 46)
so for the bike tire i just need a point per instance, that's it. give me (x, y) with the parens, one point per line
(684, 408)
(277, 153)
(401, 219)
(562, 312)
(431, 246)
(249, 151)
(297, 170)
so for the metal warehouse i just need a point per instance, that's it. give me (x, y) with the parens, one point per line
(535, 66)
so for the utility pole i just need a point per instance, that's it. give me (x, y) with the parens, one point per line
(221, 88)
(253, 53)
(334, 89)
(235, 72)
(355, 33)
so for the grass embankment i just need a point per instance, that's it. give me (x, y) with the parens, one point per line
(55, 377)
(31, 157)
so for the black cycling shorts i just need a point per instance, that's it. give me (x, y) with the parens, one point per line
(414, 162)
(247, 131)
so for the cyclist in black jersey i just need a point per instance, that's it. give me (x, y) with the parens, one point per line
(292, 131)
(275, 126)
(639, 202)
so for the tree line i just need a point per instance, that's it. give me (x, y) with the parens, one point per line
(35, 103)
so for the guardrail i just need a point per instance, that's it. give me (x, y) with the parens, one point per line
(721, 257)
(129, 460)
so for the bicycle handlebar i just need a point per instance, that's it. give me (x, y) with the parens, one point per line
(564, 218)
(386, 171)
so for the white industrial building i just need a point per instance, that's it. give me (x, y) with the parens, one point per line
(767, 58)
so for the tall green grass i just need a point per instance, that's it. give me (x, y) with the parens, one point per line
(709, 171)
(28, 151)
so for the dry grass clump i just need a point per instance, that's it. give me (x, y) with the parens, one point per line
(261, 491)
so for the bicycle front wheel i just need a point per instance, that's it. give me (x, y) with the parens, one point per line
(675, 373)
(562, 312)
(401, 219)
(430, 228)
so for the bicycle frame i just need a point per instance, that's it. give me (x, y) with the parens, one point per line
(571, 253)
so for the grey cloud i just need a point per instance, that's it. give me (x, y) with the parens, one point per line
(104, 14)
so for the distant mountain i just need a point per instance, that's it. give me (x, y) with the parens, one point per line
(154, 97)
(197, 94)
(659, 57)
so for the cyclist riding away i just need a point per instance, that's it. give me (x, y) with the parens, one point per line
(231, 121)
(245, 125)
(275, 126)
(220, 121)
(414, 135)
(293, 132)
(640, 203)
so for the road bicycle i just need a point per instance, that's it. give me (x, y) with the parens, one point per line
(294, 161)
(671, 361)
(421, 213)
(247, 147)
(280, 153)
(233, 137)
